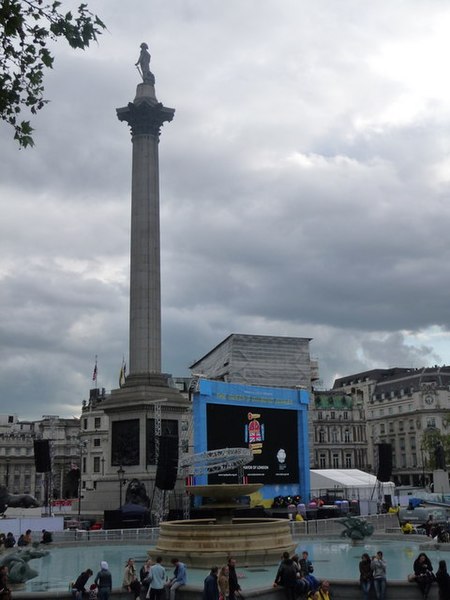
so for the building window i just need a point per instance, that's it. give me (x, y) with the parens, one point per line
(400, 426)
(84, 423)
(96, 464)
(347, 436)
(391, 427)
(320, 415)
(345, 415)
(334, 436)
(322, 461)
(382, 429)
(97, 442)
(321, 436)
(431, 422)
(333, 415)
(84, 464)
(97, 422)
(10, 419)
(335, 459)
(348, 461)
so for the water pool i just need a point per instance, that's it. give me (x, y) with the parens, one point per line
(332, 559)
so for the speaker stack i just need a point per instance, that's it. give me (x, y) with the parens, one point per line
(167, 468)
(42, 460)
(384, 462)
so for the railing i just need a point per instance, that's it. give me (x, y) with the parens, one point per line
(334, 527)
(146, 534)
(149, 535)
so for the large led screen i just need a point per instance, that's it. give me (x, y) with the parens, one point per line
(270, 433)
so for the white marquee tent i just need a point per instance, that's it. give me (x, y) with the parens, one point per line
(355, 484)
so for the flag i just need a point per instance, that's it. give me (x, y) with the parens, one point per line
(94, 374)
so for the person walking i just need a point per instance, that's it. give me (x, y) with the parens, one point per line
(103, 580)
(210, 586)
(234, 587)
(365, 575)
(224, 583)
(79, 587)
(179, 577)
(378, 565)
(157, 579)
(423, 571)
(443, 581)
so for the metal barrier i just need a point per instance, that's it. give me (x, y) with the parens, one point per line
(333, 527)
(147, 534)
(324, 527)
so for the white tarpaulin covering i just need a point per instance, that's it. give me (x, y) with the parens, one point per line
(356, 485)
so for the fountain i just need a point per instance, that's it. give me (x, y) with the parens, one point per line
(203, 542)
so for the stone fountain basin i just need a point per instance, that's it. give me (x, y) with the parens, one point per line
(204, 542)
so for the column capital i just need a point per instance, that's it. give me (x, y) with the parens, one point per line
(145, 117)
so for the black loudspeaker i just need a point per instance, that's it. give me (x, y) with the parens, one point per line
(42, 456)
(167, 468)
(384, 462)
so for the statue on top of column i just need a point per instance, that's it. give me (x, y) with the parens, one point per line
(143, 64)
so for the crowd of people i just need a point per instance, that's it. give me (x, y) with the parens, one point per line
(372, 573)
(295, 575)
(152, 581)
(25, 539)
(424, 576)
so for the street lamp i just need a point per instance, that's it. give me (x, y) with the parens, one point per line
(7, 473)
(120, 474)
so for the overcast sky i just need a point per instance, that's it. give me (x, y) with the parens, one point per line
(304, 191)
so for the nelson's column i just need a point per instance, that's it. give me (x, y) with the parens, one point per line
(131, 410)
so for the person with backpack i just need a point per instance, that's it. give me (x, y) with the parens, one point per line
(286, 576)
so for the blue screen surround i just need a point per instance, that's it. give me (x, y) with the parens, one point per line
(272, 421)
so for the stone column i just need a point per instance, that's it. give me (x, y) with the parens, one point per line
(145, 116)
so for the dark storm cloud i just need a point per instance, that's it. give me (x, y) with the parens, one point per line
(303, 192)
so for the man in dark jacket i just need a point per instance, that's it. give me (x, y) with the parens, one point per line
(235, 588)
(287, 576)
(211, 589)
(79, 585)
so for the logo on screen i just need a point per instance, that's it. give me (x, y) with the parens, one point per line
(254, 433)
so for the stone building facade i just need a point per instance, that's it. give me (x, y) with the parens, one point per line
(339, 431)
(105, 472)
(17, 463)
(401, 406)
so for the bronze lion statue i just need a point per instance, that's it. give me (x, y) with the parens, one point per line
(136, 493)
(16, 500)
